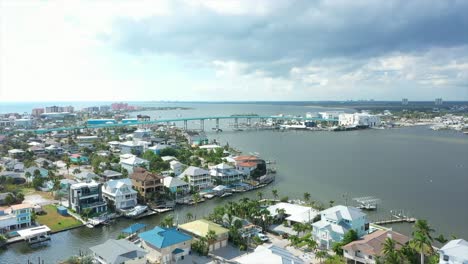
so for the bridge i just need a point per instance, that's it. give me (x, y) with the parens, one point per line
(185, 121)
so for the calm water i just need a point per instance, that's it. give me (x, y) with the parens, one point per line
(418, 170)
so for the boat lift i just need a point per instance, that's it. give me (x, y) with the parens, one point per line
(36, 234)
(367, 202)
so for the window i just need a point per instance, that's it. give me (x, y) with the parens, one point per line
(446, 258)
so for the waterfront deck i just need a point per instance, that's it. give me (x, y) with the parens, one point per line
(396, 221)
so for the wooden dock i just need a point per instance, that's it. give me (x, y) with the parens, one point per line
(396, 221)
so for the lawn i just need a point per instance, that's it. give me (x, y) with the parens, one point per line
(55, 221)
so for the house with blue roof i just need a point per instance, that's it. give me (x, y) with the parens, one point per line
(166, 245)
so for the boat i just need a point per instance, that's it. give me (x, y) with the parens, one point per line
(138, 210)
(238, 129)
(225, 194)
(367, 203)
(209, 195)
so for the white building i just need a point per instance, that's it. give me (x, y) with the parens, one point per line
(176, 185)
(454, 252)
(177, 167)
(86, 195)
(130, 147)
(269, 255)
(359, 119)
(197, 178)
(117, 252)
(226, 174)
(330, 114)
(294, 213)
(130, 161)
(120, 192)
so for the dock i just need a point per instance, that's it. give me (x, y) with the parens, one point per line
(396, 221)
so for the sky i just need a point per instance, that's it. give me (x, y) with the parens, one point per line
(211, 50)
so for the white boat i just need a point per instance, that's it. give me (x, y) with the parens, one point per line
(209, 195)
(226, 194)
(139, 209)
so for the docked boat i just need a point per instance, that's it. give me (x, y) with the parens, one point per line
(226, 194)
(138, 210)
(209, 195)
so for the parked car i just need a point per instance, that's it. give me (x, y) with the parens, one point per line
(262, 237)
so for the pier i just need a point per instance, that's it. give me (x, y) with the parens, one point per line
(396, 221)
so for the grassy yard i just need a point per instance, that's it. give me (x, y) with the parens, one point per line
(55, 221)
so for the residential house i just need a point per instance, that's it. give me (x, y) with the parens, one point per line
(86, 176)
(250, 165)
(43, 173)
(15, 216)
(176, 185)
(3, 197)
(247, 229)
(177, 167)
(119, 251)
(86, 141)
(121, 193)
(166, 245)
(336, 221)
(270, 254)
(157, 148)
(196, 138)
(131, 147)
(86, 195)
(129, 162)
(146, 182)
(293, 213)
(454, 252)
(110, 175)
(16, 153)
(16, 177)
(197, 178)
(369, 247)
(200, 228)
(225, 174)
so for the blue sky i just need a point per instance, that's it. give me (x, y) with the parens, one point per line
(233, 50)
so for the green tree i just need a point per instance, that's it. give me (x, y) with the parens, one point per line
(321, 255)
(168, 221)
(188, 216)
(211, 237)
(196, 198)
(259, 195)
(391, 254)
(422, 238)
(274, 192)
(441, 239)
(306, 197)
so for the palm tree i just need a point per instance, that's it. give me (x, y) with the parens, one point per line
(306, 197)
(422, 226)
(188, 216)
(259, 195)
(211, 237)
(311, 244)
(280, 213)
(441, 239)
(331, 203)
(168, 221)
(321, 255)
(196, 198)
(392, 255)
(275, 194)
(422, 244)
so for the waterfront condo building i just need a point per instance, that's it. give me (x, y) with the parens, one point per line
(86, 195)
(197, 178)
(120, 193)
(359, 120)
(146, 182)
(165, 245)
(335, 222)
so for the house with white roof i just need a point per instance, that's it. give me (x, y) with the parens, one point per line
(176, 185)
(120, 192)
(336, 221)
(224, 173)
(294, 213)
(454, 252)
(130, 147)
(197, 178)
(118, 251)
(269, 255)
(177, 167)
(130, 161)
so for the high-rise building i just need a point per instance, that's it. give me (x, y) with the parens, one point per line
(438, 101)
(37, 112)
(404, 101)
(52, 109)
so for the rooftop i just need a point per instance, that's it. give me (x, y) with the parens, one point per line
(118, 251)
(202, 226)
(372, 244)
(161, 237)
(457, 248)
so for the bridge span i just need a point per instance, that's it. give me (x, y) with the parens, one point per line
(185, 121)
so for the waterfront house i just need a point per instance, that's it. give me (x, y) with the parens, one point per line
(146, 182)
(176, 185)
(250, 165)
(336, 221)
(270, 254)
(200, 228)
(110, 175)
(130, 162)
(86, 195)
(15, 216)
(225, 174)
(157, 148)
(454, 252)
(166, 245)
(293, 213)
(120, 193)
(119, 251)
(197, 178)
(177, 167)
(369, 247)
(196, 138)
(43, 173)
